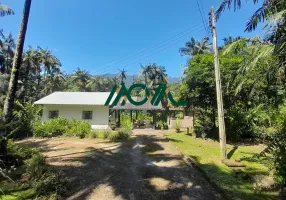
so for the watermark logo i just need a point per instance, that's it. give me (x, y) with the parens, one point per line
(155, 99)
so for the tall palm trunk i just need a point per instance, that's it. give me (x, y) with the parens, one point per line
(9, 101)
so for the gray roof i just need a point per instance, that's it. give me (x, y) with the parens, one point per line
(129, 106)
(75, 98)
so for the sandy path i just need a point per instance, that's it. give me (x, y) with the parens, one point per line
(146, 166)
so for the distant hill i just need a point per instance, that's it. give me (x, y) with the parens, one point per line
(131, 78)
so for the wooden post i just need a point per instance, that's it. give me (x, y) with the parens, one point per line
(222, 136)
(119, 123)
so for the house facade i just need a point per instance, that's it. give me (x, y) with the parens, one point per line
(87, 106)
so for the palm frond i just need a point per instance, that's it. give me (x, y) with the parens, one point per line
(257, 17)
(5, 10)
(227, 4)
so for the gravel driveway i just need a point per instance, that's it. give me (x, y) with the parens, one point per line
(146, 166)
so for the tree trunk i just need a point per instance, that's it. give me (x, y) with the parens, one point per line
(10, 98)
(9, 101)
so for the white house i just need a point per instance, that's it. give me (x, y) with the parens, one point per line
(87, 106)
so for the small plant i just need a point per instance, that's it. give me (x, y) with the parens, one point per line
(106, 134)
(178, 125)
(161, 124)
(93, 134)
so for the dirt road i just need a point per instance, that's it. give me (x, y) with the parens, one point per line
(146, 166)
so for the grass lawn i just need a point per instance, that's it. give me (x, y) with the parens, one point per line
(206, 154)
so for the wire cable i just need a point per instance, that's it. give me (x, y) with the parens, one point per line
(158, 45)
(127, 65)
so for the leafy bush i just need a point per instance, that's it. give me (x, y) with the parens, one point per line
(49, 182)
(204, 123)
(36, 166)
(80, 129)
(52, 128)
(42, 178)
(123, 133)
(161, 124)
(238, 125)
(62, 126)
(25, 117)
(276, 146)
(20, 151)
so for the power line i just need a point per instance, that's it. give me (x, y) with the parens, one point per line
(129, 64)
(206, 18)
(203, 19)
(153, 52)
(142, 51)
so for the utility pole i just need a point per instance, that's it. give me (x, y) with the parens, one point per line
(222, 136)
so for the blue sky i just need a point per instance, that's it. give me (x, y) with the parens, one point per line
(102, 36)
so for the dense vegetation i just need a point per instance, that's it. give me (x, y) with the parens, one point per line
(253, 79)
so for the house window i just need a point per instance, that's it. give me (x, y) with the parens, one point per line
(86, 114)
(53, 114)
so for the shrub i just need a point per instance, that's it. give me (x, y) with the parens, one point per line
(80, 129)
(276, 146)
(119, 135)
(203, 124)
(127, 123)
(93, 134)
(49, 182)
(25, 116)
(62, 126)
(52, 128)
(161, 124)
(36, 165)
(20, 151)
(42, 178)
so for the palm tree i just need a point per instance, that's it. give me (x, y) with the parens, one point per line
(81, 78)
(48, 61)
(10, 98)
(97, 84)
(30, 72)
(5, 10)
(194, 47)
(54, 82)
(9, 102)
(7, 47)
(122, 76)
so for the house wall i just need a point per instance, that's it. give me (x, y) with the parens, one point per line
(99, 119)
